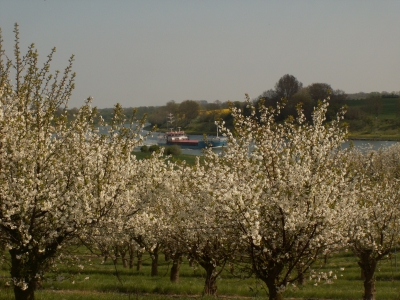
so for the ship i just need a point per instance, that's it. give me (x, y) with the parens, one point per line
(217, 141)
(179, 137)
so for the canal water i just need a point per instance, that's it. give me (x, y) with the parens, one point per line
(363, 144)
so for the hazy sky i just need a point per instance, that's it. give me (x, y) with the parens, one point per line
(148, 52)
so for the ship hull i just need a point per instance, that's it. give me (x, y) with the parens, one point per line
(217, 142)
(194, 144)
(188, 144)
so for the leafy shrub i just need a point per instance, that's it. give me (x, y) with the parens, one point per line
(154, 148)
(173, 150)
(144, 149)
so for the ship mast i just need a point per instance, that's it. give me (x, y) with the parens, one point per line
(170, 118)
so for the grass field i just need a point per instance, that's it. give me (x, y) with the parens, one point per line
(103, 282)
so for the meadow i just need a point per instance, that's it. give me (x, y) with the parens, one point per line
(90, 278)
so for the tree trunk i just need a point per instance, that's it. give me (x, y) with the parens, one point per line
(139, 261)
(123, 258)
(369, 289)
(273, 292)
(191, 262)
(232, 269)
(368, 267)
(301, 278)
(300, 273)
(174, 275)
(28, 294)
(325, 259)
(210, 287)
(115, 261)
(167, 256)
(154, 262)
(362, 275)
(131, 257)
(17, 267)
(115, 257)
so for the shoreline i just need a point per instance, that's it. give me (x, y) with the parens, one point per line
(355, 137)
(361, 138)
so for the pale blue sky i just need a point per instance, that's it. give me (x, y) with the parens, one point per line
(148, 52)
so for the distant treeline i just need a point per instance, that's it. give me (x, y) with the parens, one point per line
(199, 115)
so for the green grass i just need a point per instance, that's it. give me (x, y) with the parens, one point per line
(349, 285)
(103, 282)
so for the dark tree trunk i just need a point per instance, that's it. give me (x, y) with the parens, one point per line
(210, 287)
(154, 262)
(28, 294)
(29, 268)
(232, 269)
(300, 273)
(116, 254)
(24, 271)
(369, 289)
(167, 256)
(273, 292)
(176, 262)
(139, 261)
(131, 257)
(368, 267)
(301, 280)
(325, 259)
(270, 276)
(123, 258)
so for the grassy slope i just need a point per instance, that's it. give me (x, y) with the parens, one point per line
(385, 127)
